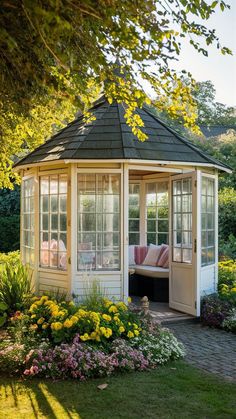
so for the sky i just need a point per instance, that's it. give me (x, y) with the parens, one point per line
(218, 68)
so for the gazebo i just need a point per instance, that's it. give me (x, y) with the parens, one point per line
(94, 189)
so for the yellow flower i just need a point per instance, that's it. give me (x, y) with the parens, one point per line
(116, 319)
(33, 316)
(108, 332)
(130, 335)
(121, 329)
(113, 309)
(71, 303)
(129, 300)
(44, 298)
(122, 306)
(33, 326)
(93, 335)
(135, 325)
(32, 307)
(56, 326)
(107, 302)
(74, 319)
(84, 337)
(41, 320)
(136, 332)
(45, 326)
(68, 323)
(106, 317)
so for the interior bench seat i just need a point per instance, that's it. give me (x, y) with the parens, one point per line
(151, 271)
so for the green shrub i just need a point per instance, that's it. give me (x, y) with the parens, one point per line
(227, 248)
(10, 233)
(3, 313)
(227, 273)
(15, 286)
(12, 258)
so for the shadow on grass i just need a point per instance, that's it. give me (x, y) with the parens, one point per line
(176, 390)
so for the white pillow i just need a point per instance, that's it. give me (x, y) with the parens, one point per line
(131, 255)
(152, 255)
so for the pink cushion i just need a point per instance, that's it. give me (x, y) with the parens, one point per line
(164, 258)
(140, 253)
(153, 255)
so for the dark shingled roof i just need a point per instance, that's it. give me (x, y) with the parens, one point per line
(109, 137)
(215, 130)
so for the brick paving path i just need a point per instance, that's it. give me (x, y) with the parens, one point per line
(212, 350)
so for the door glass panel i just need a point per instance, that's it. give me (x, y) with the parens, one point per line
(208, 220)
(182, 220)
(157, 218)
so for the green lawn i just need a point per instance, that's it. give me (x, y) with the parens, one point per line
(174, 391)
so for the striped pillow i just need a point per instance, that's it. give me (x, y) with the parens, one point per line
(140, 253)
(164, 259)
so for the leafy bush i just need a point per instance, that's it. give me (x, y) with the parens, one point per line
(160, 347)
(227, 247)
(230, 323)
(214, 310)
(227, 212)
(10, 233)
(227, 281)
(15, 286)
(81, 360)
(12, 258)
(3, 313)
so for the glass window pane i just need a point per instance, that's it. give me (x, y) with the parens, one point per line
(54, 222)
(162, 226)
(177, 187)
(151, 238)
(45, 222)
(134, 188)
(187, 186)
(177, 254)
(111, 203)
(163, 212)
(134, 238)
(133, 212)
(187, 239)
(62, 222)
(87, 222)
(87, 203)
(86, 184)
(162, 238)
(177, 238)
(62, 203)
(177, 207)
(53, 184)
(44, 203)
(54, 203)
(177, 221)
(151, 212)
(187, 255)
(186, 203)
(187, 221)
(63, 184)
(151, 225)
(44, 185)
(210, 187)
(133, 225)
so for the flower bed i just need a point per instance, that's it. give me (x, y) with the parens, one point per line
(61, 340)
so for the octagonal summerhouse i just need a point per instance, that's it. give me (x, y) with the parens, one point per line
(93, 194)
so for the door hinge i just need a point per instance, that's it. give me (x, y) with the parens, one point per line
(195, 245)
(69, 261)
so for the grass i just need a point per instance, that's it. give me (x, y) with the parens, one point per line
(174, 391)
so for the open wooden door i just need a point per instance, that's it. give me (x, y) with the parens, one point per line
(183, 243)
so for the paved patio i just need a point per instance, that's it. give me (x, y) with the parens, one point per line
(212, 350)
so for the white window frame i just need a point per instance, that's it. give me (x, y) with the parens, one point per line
(48, 173)
(74, 227)
(215, 179)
